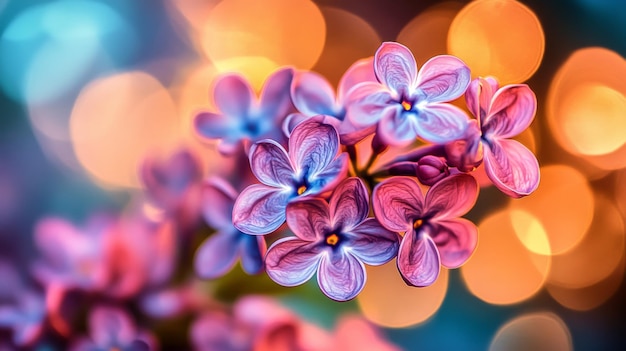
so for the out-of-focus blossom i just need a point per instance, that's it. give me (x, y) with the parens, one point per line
(408, 104)
(502, 113)
(434, 234)
(334, 239)
(313, 95)
(218, 254)
(354, 333)
(243, 118)
(312, 166)
(112, 329)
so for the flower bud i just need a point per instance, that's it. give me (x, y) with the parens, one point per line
(431, 169)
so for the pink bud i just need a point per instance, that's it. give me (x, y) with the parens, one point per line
(431, 169)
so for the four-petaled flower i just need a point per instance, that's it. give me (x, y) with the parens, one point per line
(434, 234)
(311, 167)
(334, 239)
(407, 104)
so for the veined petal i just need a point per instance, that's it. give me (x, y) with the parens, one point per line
(441, 123)
(511, 167)
(214, 125)
(252, 249)
(451, 197)
(371, 243)
(367, 103)
(313, 95)
(398, 127)
(313, 145)
(418, 259)
(512, 110)
(218, 198)
(349, 134)
(270, 164)
(395, 67)
(275, 100)
(233, 96)
(330, 176)
(456, 240)
(360, 71)
(217, 255)
(260, 209)
(308, 218)
(443, 78)
(478, 96)
(349, 203)
(291, 261)
(397, 202)
(341, 276)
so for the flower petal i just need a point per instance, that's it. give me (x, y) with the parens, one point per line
(456, 240)
(441, 123)
(215, 126)
(367, 103)
(217, 255)
(395, 67)
(270, 164)
(308, 218)
(398, 128)
(443, 78)
(341, 276)
(218, 198)
(478, 96)
(313, 95)
(313, 145)
(360, 71)
(260, 209)
(331, 176)
(349, 203)
(252, 250)
(418, 259)
(451, 197)
(512, 110)
(397, 202)
(373, 244)
(109, 326)
(233, 96)
(511, 167)
(275, 100)
(291, 261)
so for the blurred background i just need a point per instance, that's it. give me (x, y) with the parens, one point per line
(88, 88)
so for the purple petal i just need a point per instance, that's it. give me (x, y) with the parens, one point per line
(368, 103)
(397, 202)
(217, 255)
(360, 71)
(270, 164)
(373, 244)
(341, 276)
(308, 218)
(313, 95)
(443, 78)
(260, 209)
(478, 96)
(109, 326)
(397, 127)
(351, 134)
(313, 145)
(291, 261)
(511, 167)
(456, 240)
(349, 203)
(275, 96)
(291, 121)
(218, 198)
(512, 110)
(167, 181)
(215, 126)
(330, 176)
(452, 197)
(418, 259)
(441, 123)
(395, 67)
(252, 250)
(233, 97)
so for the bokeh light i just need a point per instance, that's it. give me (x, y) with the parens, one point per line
(541, 331)
(387, 301)
(500, 38)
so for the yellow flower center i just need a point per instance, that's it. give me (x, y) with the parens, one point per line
(332, 239)
(301, 189)
(418, 223)
(406, 105)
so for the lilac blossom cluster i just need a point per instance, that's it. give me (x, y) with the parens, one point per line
(302, 140)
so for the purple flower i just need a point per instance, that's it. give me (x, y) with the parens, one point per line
(313, 95)
(242, 117)
(112, 329)
(334, 239)
(503, 113)
(407, 104)
(218, 254)
(433, 233)
(312, 166)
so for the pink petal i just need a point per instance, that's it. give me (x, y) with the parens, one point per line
(367, 103)
(397, 202)
(313, 145)
(443, 78)
(395, 67)
(478, 96)
(218, 198)
(308, 218)
(349, 203)
(373, 244)
(341, 276)
(275, 99)
(440, 123)
(233, 96)
(291, 261)
(418, 259)
(451, 197)
(260, 209)
(456, 240)
(511, 167)
(216, 255)
(512, 110)
(360, 71)
(270, 164)
(313, 95)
